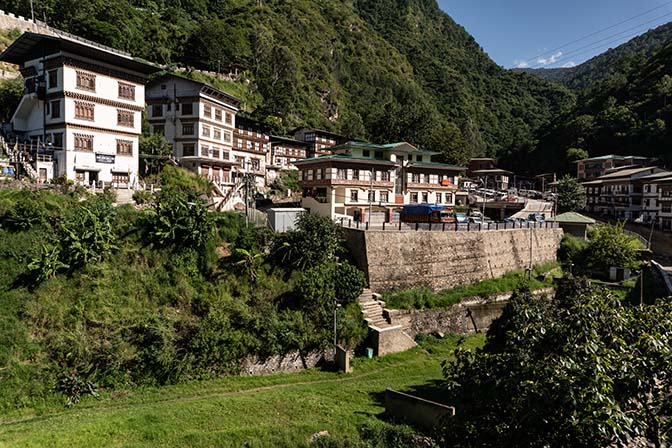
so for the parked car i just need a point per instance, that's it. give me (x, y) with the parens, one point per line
(536, 217)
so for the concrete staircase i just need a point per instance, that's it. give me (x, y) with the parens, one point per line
(386, 335)
(373, 310)
(13, 154)
(124, 196)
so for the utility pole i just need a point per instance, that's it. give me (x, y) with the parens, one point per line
(370, 202)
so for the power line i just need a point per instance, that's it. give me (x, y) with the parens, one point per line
(597, 32)
(600, 41)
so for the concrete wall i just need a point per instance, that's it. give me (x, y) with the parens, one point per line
(416, 410)
(397, 260)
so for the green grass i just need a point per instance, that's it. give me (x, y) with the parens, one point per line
(420, 298)
(275, 410)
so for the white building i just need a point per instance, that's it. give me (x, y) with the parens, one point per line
(82, 108)
(199, 121)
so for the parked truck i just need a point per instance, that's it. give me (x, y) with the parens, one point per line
(427, 213)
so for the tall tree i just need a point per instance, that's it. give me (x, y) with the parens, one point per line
(571, 195)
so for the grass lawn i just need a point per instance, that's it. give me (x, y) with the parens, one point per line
(274, 410)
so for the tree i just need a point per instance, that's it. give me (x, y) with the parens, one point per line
(11, 91)
(579, 369)
(611, 246)
(574, 154)
(571, 195)
(315, 241)
(155, 152)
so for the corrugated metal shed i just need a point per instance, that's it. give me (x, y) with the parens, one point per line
(283, 219)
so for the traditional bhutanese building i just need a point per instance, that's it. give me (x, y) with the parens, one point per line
(81, 112)
(251, 144)
(199, 121)
(319, 141)
(362, 176)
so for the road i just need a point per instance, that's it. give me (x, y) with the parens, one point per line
(535, 206)
(661, 244)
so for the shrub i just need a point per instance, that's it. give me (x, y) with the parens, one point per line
(46, 265)
(180, 220)
(142, 197)
(610, 245)
(349, 282)
(28, 211)
(315, 241)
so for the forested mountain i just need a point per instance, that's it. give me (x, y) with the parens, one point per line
(621, 59)
(628, 112)
(382, 70)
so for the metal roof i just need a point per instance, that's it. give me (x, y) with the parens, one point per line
(437, 165)
(572, 218)
(625, 173)
(207, 89)
(34, 45)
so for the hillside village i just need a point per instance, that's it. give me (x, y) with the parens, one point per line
(182, 241)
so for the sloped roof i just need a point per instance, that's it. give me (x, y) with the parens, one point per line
(625, 173)
(572, 218)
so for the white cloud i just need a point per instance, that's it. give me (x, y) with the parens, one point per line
(549, 60)
(570, 64)
(520, 64)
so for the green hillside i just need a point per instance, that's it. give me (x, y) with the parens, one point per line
(628, 112)
(613, 61)
(382, 70)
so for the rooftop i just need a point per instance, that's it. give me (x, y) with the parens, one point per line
(657, 176)
(205, 88)
(34, 45)
(607, 157)
(344, 158)
(625, 173)
(277, 138)
(572, 218)
(321, 131)
(492, 171)
(437, 165)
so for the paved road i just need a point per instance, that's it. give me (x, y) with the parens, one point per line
(535, 206)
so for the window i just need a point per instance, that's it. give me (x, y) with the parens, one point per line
(79, 176)
(449, 198)
(425, 198)
(378, 154)
(55, 108)
(159, 129)
(157, 110)
(84, 111)
(57, 141)
(414, 198)
(438, 199)
(372, 195)
(126, 91)
(318, 174)
(125, 118)
(256, 165)
(415, 178)
(366, 153)
(207, 111)
(229, 118)
(83, 142)
(124, 147)
(206, 131)
(340, 174)
(218, 114)
(188, 149)
(384, 196)
(355, 174)
(385, 176)
(187, 109)
(188, 129)
(86, 81)
(225, 155)
(418, 158)
(120, 178)
(217, 134)
(354, 195)
(205, 150)
(53, 79)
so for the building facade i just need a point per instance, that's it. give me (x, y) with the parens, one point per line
(319, 141)
(253, 140)
(81, 111)
(595, 167)
(657, 200)
(620, 194)
(359, 178)
(199, 122)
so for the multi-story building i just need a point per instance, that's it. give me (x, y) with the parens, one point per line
(285, 151)
(82, 107)
(595, 167)
(620, 193)
(484, 171)
(199, 121)
(319, 141)
(253, 139)
(657, 200)
(362, 176)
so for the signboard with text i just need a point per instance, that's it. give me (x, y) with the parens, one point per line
(104, 158)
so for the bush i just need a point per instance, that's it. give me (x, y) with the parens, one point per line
(610, 245)
(180, 220)
(28, 211)
(349, 282)
(573, 254)
(142, 197)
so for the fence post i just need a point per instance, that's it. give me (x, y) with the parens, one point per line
(456, 224)
(417, 224)
(357, 224)
(383, 225)
(468, 226)
(497, 226)
(367, 225)
(400, 223)
(480, 226)
(443, 227)
(430, 226)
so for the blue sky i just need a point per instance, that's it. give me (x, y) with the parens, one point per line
(533, 33)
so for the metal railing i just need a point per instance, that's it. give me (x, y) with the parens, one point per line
(445, 226)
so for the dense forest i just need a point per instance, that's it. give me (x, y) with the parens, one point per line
(383, 70)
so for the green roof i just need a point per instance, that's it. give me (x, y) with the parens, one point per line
(345, 157)
(438, 165)
(609, 156)
(572, 218)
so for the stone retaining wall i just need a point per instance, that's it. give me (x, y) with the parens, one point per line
(397, 260)
(288, 363)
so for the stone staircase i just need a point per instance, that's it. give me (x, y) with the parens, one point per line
(386, 335)
(124, 196)
(373, 310)
(13, 155)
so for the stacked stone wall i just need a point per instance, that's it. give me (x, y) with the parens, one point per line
(397, 260)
